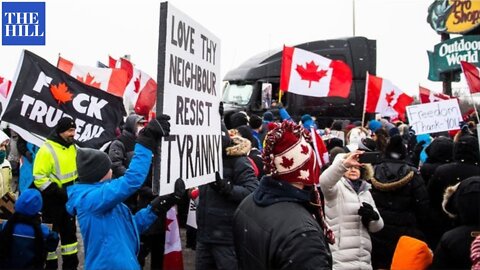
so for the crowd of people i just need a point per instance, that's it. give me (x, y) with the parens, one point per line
(280, 203)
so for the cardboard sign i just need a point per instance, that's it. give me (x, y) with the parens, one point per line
(189, 92)
(434, 117)
(7, 205)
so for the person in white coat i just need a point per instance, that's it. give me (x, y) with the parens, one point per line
(351, 213)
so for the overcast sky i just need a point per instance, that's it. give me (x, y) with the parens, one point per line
(87, 31)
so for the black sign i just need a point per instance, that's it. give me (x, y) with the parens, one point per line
(43, 94)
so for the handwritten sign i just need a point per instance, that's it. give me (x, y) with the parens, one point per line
(434, 117)
(189, 91)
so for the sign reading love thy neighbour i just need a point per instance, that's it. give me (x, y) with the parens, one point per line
(189, 91)
(434, 117)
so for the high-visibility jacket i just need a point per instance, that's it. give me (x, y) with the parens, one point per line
(54, 163)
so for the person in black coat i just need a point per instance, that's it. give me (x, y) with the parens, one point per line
(466, 158)
(439, 152)
(462, 202)
(217, 203)
(282, 225)
(402, 199)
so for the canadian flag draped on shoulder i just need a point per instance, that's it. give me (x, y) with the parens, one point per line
(310, 74)
(384, 98)
(42, 94)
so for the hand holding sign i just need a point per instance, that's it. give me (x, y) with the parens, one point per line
(156, 128)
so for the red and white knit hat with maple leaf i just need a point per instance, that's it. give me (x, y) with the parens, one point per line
(288, 155)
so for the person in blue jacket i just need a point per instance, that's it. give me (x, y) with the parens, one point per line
(110, 232)
(24, 240)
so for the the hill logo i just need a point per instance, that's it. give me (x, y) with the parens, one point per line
(23, 23)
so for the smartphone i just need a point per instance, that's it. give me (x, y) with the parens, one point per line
(370, 157)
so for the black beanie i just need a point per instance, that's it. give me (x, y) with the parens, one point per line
(466, 149)
(92, 165)
(395, 148)
(255, 121)
(64, 124)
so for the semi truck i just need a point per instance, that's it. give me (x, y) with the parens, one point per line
(254, 85)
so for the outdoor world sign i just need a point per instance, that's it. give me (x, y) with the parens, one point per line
(454, 16)
(447, 55)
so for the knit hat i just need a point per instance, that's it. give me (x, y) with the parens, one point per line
(288, 155)
(29, 203)
(411, 253)
(238, 119)
(64, 124)
(255, 121)
(395, 148)
(268, 116)
(92, 165)
(373, 125)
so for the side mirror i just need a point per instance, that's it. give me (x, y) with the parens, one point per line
(266, 96)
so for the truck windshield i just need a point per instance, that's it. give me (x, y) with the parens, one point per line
(237, 94)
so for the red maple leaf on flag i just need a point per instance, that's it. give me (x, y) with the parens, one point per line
(310, 73)
(89, 80)
(389, 97)
(287, 162)
(1, 80)
(136, 83)
(304, 149)
(60, 93)
(167, 223)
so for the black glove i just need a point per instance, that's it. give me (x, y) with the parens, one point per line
(162, 204)
(367, 213)
(222, 186)
(220, 109)
(155, 129)
(418, 148)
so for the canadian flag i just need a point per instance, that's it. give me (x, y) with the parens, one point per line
(320, 149)
(172, 259)
(4, 86)
(472, 75)
(112, 80)
(310, 74)
(385, 98)
(427, 96)
(141, 92)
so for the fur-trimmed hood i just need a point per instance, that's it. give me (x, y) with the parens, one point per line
(447, 202)
(463, 201)
(392, 175)
(239, 147)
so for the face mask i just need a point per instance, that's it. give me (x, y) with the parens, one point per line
(3, 154)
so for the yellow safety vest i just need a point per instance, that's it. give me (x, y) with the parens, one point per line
(54, 163)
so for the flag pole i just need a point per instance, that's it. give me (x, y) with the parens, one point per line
(365, 101)
(475, 108)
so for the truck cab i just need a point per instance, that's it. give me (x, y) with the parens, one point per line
(254, 86)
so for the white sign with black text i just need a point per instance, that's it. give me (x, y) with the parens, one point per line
(434, 117)
(189, 91)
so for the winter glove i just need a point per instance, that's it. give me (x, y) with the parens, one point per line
(162, 204)
(222, 186)
(367, 213)
(220, 109)
(155, 129)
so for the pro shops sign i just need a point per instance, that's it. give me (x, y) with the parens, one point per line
(454, 16)
(447, 55)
